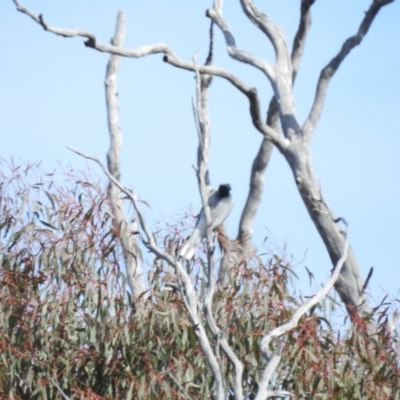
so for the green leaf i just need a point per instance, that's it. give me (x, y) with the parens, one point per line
(47, 224)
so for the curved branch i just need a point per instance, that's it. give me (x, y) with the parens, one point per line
(281, 330)
(58, 387)
(263, 391)
(274, 33)
(327, 73)
(55, 30)
(239, 55)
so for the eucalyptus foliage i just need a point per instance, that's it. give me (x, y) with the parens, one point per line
(68, 328)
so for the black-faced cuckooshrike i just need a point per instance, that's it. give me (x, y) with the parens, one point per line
(221, 204)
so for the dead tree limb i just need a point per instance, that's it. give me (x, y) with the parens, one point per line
(131, 251)
(261, 160)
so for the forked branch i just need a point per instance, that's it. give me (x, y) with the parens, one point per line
(273, 32)
(261, 160)
(215, 14)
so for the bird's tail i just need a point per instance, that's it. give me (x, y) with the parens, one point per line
(191, 245)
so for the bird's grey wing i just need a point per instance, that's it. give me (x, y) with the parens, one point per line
(220, 211)
(213, 200)
(190, 246)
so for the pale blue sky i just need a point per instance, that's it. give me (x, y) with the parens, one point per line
(52, 95)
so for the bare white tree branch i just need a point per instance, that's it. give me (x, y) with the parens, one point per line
(283, 67)
(132, 255)
(262, 158)
(58, 387)
(57, 31)
(215, 14)
(273, 32)
(203, 82)
(256, 185)
(263, 391)
(273, 360)
(171, 58)
(279, 75)
(301, 35)
(202, 169)
(330, 69)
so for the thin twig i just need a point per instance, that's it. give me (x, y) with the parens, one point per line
(180, 387)
(371, 270)
(58, 388)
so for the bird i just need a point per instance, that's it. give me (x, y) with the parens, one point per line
(221, 204)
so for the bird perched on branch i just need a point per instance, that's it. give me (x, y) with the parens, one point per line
(221, 204)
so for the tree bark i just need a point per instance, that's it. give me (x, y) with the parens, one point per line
(350, 283)
(131, 250)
